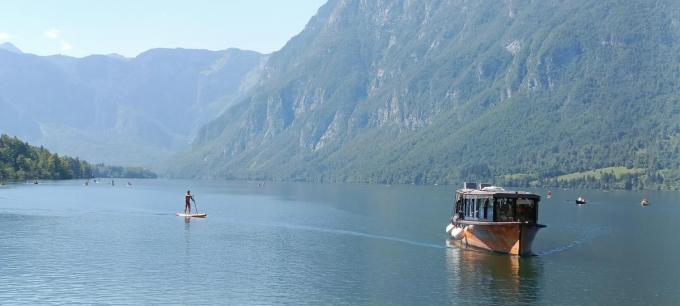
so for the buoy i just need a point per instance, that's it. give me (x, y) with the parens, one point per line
(449, 228)
(458, 233)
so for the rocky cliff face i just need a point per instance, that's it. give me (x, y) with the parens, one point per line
(441, 90)
(117, 110)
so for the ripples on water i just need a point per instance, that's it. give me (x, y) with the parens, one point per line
(317, 244)
(588, 235)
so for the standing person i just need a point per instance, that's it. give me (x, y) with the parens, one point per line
(187, 204)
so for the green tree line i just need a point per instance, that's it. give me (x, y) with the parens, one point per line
(102, 170)
(22, 161)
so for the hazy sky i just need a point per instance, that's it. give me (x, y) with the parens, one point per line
(82, 27)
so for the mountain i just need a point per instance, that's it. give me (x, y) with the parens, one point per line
(9, 47)
(440, 91)
(107, 108)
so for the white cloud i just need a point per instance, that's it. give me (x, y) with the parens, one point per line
(5, 36)
(52, 33)
(65, 46)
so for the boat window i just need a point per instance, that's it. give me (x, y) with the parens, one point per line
(488, 211)
(466, 207)
(473, 203)
(504, 209)
(480, 209)
(526, 210)
(475, 208)
(471, 208)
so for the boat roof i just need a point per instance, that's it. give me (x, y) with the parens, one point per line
(496, 193)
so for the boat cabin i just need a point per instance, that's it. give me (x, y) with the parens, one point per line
(494, 204)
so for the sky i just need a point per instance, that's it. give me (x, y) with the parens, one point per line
(84, 27)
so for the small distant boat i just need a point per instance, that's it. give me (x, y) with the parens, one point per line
(581, 200)
(644, 202)
(549, 195)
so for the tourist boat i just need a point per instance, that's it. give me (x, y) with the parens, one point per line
(495, 219)
(580, 200)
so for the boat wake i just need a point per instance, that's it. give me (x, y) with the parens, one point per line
(589, 235)
(356, 234)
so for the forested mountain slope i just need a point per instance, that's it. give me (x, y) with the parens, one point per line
(447, 90)
(21, 161)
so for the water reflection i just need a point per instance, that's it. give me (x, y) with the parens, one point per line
(187, 239)
(502, 278)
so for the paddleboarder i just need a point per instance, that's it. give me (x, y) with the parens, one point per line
(187, 202)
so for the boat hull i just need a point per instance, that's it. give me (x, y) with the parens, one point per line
(514, 238)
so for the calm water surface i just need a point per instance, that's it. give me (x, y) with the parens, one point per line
(62, 242)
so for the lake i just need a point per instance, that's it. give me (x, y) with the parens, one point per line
(311, 244)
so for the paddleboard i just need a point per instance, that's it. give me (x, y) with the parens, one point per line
(192, 215)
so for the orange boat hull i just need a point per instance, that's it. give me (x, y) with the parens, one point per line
(505, 237)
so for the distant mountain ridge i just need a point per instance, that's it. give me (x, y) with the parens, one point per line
(107, 108)
(10, 47)
(442, 91)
